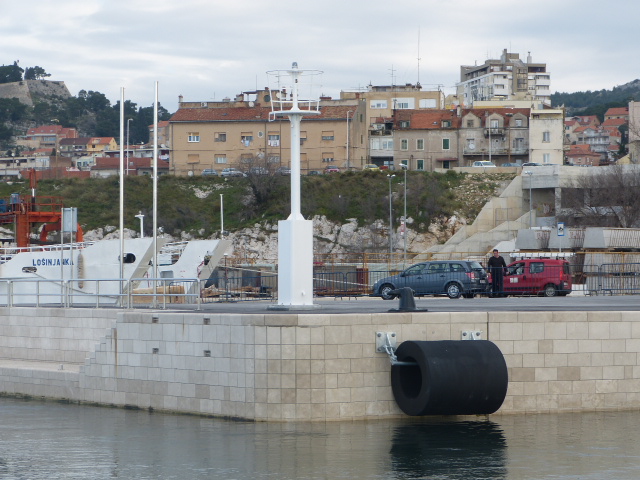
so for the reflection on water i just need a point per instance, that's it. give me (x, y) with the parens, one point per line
(55, 441)
(455, 450)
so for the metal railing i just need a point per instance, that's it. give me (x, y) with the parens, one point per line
(240, 285)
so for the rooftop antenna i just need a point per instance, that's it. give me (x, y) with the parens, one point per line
(418, 55)
(392, 70)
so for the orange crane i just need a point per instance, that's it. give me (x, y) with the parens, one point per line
(26, 212)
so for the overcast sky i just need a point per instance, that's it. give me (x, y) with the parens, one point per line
(211, 49)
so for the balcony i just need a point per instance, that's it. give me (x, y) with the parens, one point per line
(494, 131)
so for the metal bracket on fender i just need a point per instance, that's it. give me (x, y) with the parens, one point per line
(386, 342)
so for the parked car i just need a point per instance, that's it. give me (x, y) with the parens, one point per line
(283, 171)
(258, 171)
(453, 278)
(538, 276)
(531, 164)
(483, 163)
(232, 172)
(371, 166)
(314, 172)
(510, 165)
(209, 172)
(331, 169)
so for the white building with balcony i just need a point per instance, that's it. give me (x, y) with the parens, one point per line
(505, 79)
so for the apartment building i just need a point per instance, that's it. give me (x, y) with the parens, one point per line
(240, 133)
(504, 79)
(457, 138)
(374, 132)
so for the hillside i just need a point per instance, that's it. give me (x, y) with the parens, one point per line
(190, 206)
(597, 102)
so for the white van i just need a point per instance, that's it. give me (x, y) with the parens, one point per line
(483, 163)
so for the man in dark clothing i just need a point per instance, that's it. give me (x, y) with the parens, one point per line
(497, 267)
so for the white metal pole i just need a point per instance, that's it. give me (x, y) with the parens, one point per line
(155, 188)
(121, 186)
(405, 213)
(390, 218)
(348, 165)
(222, 215)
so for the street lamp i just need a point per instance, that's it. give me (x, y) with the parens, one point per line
(405, 167)
(222, 215)
(141, 217)
(390, 177)
(529, 172)
(348, 166)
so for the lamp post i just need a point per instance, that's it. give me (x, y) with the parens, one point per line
(348, 166)
(405, 167)
(390, 177)
(529, 172)
(222, 215)
(141, 217)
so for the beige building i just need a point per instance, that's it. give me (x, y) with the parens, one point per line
(546, 136)
(242, 133)
(634, 132)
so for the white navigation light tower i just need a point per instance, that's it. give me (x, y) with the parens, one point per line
(295, 234)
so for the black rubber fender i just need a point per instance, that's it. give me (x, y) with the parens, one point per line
(449, 377)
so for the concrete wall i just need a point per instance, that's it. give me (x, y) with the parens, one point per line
(307, 366)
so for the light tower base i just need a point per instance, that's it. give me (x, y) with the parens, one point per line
(295, 265)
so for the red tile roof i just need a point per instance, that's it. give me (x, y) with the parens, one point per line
(617, 111)
(611, 122)
(251, 114)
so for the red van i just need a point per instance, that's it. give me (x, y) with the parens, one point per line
(538, 276)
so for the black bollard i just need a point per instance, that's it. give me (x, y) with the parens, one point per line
(407, 302)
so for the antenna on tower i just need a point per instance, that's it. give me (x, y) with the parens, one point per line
(418, 55)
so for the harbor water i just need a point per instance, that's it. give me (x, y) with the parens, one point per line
(48, 440)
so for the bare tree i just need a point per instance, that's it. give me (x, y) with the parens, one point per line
(603, 196)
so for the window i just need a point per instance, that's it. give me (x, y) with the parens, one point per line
(303, 137)
(273, 159)
(420, 144)
(273, 140)
(471, 143)
(378, 104)
(427, 103)
(405, 124)
(403, 103)
(246, 139)
(546, 137)
(470, 123)
(220, 137)
(246, 158)
(546, 158)
(494, 123)
(327, 157)
(193, 137)
(419, 164)
(327, 136)
(446, 123)
(404, 144)
(446, 144)
(405, 163)
(221, 159)
(518, 122)
(387, 144)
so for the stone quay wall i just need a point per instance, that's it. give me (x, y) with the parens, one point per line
(305, 366)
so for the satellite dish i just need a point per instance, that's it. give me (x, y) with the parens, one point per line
(252, 104)
(190, 173)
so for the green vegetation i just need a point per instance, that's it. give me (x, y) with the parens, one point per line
(192, 204)
(599, 101)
